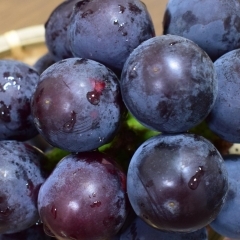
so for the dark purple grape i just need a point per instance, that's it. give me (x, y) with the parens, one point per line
(140, 230)
(227, 221)
(18, 81)
(169, 84)
(77, 105)
(177, 182)
(43, 63)
(212, 24)
(56, 30)
(108, 30)
(224, 119)
(20, 179)
(35, 232)
(84, 198)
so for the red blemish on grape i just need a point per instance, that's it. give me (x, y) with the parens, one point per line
(98, 85)
(94, 96)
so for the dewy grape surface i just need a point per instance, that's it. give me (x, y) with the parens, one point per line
(181, 182)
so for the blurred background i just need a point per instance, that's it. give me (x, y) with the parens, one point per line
(17, 14)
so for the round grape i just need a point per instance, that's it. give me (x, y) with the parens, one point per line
(108, 30)
(84, 198)
(212, 24)
(177, 182)
(224, 118)
(77, 105)
(56, 30)
(169, 84)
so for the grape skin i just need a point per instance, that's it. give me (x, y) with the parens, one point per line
(108, 30)
(227, 221)
(84, 198)
(77, 105)
(224, 118)
(56, 30)
(212, 24)
(169, 84)
(177, 182)
(43, 63)
(18, 82)
(142, 231)
(20, 179)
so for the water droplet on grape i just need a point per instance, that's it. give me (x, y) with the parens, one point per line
(196, 178)
(101, 139)
(96, 204)
(173, 43)
(69, 125)
(30, 187)
(93, 97)
(5, 112)
(6, 212)
(133, 73)
(121, 9)
(115, 22)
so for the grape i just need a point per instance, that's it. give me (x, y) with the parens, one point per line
(84, 198)
(77, 105)
(18, 81)
(227, 221)
(108, 30)
(212, 24)
(224, 118)
(20, 179)
(56, 30)
(177, 182)
(169, 84)
(35, 232)
(43, 63)
(142, 231)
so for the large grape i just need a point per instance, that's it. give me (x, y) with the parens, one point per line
(108, 30)
(169, 84)
(213, 24)
(177, 182)
(84, 198)
(77, 105)
(56, 30)
(224, 118)
(18, 82)
(227, 222)
(20, 179)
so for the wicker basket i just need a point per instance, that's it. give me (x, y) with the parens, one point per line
(26, 44)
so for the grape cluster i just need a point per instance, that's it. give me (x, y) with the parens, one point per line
(131, 126)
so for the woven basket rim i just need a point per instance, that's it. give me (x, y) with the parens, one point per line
(14, 41)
